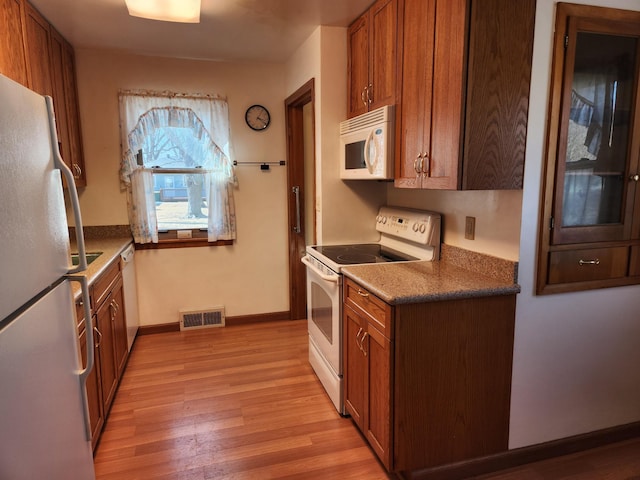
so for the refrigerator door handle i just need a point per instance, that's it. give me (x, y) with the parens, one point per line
(83, 374)
(71, 185)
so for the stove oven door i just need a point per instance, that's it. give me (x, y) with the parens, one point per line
(324, 307)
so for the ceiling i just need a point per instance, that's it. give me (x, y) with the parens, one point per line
(229, 30)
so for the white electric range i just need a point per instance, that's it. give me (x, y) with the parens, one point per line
(405, 235)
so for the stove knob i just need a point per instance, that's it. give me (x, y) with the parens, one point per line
(423, 228)
(415, 227)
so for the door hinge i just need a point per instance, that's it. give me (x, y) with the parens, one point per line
(552, 223)
(566, 41)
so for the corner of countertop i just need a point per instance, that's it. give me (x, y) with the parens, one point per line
(482, 263)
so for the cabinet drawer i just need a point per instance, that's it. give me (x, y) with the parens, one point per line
(587, 265)
(102, 286)
(378, 311)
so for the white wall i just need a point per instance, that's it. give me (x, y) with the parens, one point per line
(576, 355)
(250, 277)
(497, 214)
(345, 211)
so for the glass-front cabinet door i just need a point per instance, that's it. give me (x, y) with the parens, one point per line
(594, 194)
(589, 229)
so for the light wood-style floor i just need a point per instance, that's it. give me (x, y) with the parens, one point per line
(239, 402)
(243, 403)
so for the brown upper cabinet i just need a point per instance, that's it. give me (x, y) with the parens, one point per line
(13, 63)
(372, 46)
(34, 54)
(465, 77)
(590, 218)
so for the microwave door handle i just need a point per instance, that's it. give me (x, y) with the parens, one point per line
(367, 152)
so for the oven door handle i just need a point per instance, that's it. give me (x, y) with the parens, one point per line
(334, 278)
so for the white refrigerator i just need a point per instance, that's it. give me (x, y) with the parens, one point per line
(44, 429)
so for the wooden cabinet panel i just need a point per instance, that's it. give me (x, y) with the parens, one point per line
(452, 380)
(466, 68)
(377, 311)
(120, 349)
(13, 62)
(500, 50)
(588, 264)
(108, 367)
(358, 66)
(76, 152)
(59, 105)
(591, 206)
(34, 54)
(372, 58)
(94, 393)
(383, 46)
(355, 366)
(634, 263)
(103, 285)
(367, 379)
(377, 349)
(440, 391)
(414, 121)
(38, 54)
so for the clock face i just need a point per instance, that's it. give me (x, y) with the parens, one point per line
(257, 117)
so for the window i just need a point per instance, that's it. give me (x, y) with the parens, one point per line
(179, 179)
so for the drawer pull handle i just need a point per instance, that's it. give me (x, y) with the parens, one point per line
(589, 262)
(362, 294)
(99, 342)
(364, 352)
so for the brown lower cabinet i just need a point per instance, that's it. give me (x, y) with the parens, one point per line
(429, 383)
(110, 340)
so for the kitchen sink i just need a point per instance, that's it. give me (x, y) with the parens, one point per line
(91, 256)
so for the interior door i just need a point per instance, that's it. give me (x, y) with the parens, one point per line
(301, 190)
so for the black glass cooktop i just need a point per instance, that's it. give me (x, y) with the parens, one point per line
(361, 253)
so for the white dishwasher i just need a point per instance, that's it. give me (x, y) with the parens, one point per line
(130, 287)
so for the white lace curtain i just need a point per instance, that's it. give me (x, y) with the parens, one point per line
(141, 113)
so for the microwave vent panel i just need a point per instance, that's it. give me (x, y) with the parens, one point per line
(195, 319)
(366, 120)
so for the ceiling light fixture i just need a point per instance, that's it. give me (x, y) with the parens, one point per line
(185, 11)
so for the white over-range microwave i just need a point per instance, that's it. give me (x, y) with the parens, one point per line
(367, 146)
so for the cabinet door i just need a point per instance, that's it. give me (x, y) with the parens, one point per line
(377, 351)
(358, 66)
(441, 169)
(108, 367)
(119, 327)
(383, 47)
(59, 100)
(94, 394)
(355, 365)
(498, 82)
(38, 54)
(597, 150)
(13, 63)
(417, 81)
(73, 114)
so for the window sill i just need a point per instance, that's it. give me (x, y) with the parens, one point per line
(181, 243)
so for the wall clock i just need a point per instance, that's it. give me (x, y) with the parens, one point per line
(257, 117)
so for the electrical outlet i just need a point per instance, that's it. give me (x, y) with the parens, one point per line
(470, 228)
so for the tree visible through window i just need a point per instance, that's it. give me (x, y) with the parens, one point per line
(181, 198)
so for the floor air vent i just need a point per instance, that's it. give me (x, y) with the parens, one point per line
(190, 320)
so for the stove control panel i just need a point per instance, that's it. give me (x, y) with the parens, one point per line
(418, 226)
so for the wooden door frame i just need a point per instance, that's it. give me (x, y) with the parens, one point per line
(295, 176)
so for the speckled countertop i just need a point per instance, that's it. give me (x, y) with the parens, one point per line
(111, 244)
(459, 274)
